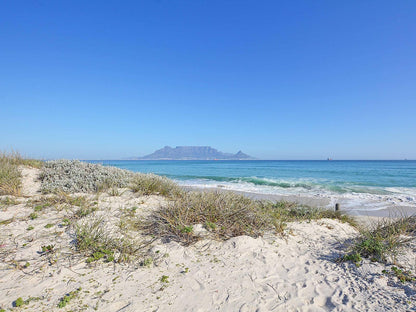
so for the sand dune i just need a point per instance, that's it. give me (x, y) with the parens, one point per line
(272, 273)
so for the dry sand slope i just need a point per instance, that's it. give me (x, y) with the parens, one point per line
(296, 273)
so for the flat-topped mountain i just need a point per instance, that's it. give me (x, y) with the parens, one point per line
(193, 153)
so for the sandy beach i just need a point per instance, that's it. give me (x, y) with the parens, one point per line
(298, 271)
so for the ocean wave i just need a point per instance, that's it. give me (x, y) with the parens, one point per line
(300, 184)
(352, 196)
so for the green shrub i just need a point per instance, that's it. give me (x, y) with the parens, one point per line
(73, 176)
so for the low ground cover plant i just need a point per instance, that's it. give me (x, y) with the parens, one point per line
(73, 176)
(382, 240)
(68, 297)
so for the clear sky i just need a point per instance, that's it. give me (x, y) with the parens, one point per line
(276, 79)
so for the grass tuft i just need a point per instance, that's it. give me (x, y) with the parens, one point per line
(93, 241)
(10, 176)
(383, 240)
(151, 184)
(225, 215)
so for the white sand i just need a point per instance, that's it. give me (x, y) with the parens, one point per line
(30, 185)
(296, 273)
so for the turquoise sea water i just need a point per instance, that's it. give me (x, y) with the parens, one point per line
(371, 183)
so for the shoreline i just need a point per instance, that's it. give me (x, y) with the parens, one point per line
(319, 202)
(43, 269)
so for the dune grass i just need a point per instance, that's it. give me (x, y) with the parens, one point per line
(382, 240)
(95, 242)
(222, 214)
(225, 215)
(151, 184)
(10, 176)
(284, 211)
(16, 159)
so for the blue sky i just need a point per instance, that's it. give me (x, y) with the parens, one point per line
(276, 79)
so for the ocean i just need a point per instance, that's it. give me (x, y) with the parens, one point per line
(358, 185)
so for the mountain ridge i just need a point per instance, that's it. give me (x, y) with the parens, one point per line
(193, 153)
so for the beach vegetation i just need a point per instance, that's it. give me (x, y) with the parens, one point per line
(68, 297)
(384, 239)
(65, 222)
(49, 225)
(187, 229)
(8, 201)
(147, 262)
(96, 243)
(47, 248)
(73, 176)
(225, 215)
(84, 211)
(58, 201)
(284, 211)
(233, 215)
(30, 227)
(210, 225)
(38, 208)
(151, 184)
(7, 221)
(164, 279)
(10, 175)
(114, 192)
(354, 257)
(401, 274)
(33, 216)
(105, 254)
(18, 302)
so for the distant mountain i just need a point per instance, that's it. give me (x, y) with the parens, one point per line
(193, 153)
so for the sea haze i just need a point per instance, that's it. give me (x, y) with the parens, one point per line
(359, 185)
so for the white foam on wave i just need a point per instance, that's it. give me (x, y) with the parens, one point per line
(377, 199)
